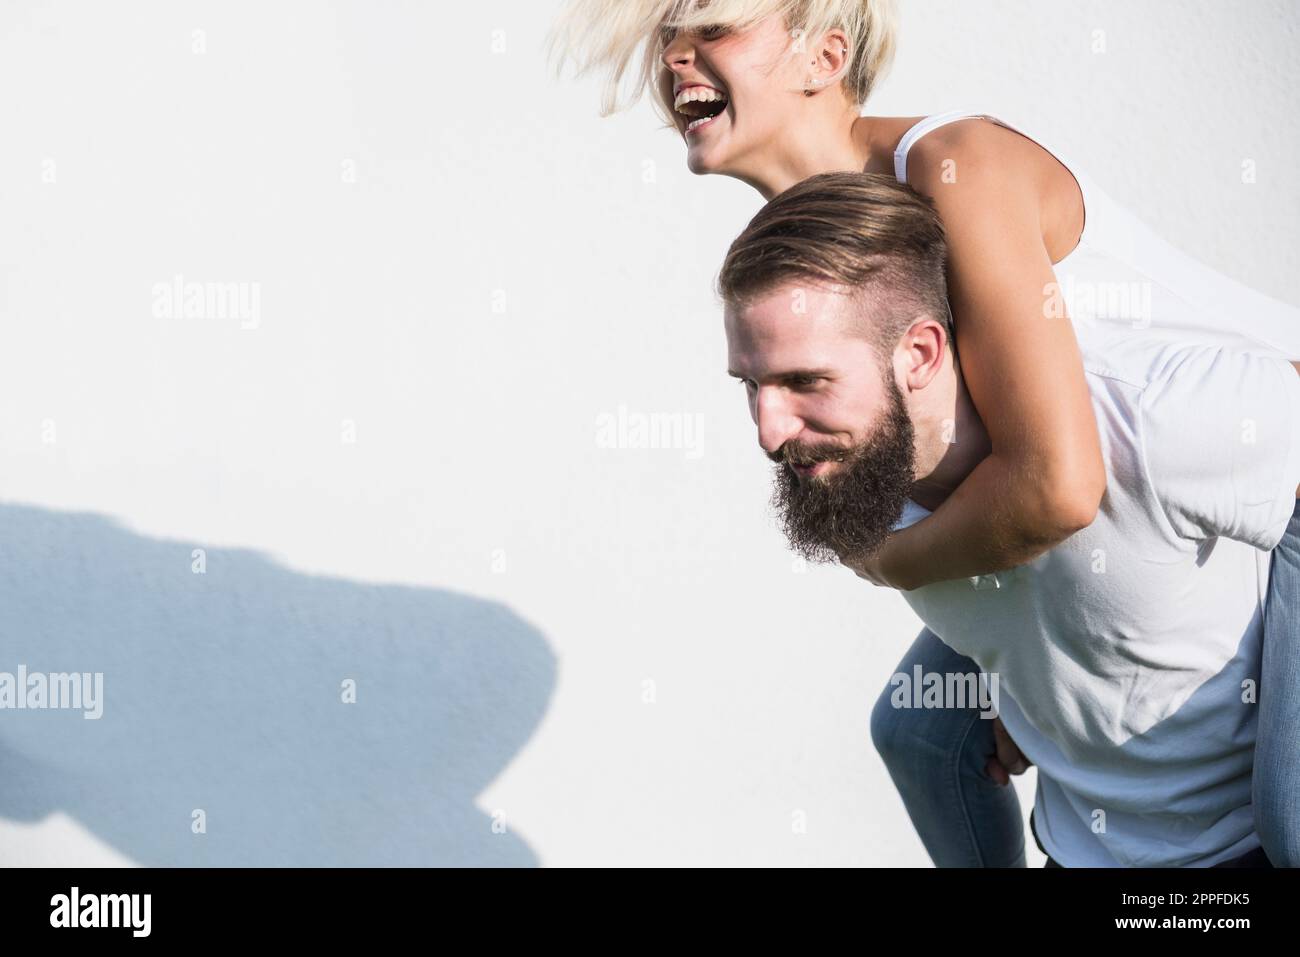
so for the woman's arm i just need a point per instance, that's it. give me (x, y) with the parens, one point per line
(1045, 477)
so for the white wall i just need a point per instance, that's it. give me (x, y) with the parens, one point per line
(456, 255)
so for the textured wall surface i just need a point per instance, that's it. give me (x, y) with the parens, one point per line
(408, 469)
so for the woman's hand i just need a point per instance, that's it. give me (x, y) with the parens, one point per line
(887, 565)
(875, 567)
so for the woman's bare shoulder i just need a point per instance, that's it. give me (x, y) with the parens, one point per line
(1006, 157)
(970, 137)
(977, 140)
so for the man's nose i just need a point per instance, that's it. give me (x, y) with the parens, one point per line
(777, 423)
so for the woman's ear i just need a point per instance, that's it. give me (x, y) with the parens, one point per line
(827, 58)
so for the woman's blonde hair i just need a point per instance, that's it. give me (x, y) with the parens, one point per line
(605, 35)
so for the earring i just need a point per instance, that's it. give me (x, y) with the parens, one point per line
(808, 92)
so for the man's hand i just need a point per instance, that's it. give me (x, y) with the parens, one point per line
(1008, 760)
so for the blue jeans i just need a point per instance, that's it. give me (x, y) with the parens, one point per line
(936, 756)
(1275, 786)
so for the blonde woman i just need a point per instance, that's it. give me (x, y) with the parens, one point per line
(770, 92)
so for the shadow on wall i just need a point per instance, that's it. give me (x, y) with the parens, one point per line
(224, 692)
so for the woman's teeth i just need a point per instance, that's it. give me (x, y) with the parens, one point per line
(698, 94)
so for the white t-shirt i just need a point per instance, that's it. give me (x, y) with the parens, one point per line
(1124, 654)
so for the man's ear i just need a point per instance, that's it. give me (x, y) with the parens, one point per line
(924, 346)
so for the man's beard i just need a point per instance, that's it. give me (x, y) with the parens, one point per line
(849, 510)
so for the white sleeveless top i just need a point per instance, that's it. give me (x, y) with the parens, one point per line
(1123, 273)
(1123, 696)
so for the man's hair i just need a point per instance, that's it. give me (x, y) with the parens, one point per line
(865, 231)
(606, 35)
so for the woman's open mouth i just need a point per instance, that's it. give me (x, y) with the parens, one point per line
(702, 122)
(701, 105)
